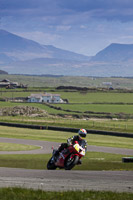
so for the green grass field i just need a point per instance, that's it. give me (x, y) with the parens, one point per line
(96, 124)
(76, 108)
(97, 97)
(29, 194)
(92, 161)
(103, 105)
(38, 81)
(75, 97)
(117, 104)
(108, 108)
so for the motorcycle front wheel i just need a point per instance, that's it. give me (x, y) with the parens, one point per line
(51, 165)
(70, 162)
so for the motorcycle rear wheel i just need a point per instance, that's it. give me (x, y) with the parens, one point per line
(71, 162)
(51, 165)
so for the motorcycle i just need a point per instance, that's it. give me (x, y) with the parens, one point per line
(68, 157)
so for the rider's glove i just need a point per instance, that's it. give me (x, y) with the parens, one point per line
(69, 141)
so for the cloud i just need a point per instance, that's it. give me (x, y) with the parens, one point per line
(84, 26)
(63, 28)
(86, 5)
(40, 37)
(28, 8)
(107, 9)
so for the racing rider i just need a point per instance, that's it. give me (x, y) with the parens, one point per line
(81, 134)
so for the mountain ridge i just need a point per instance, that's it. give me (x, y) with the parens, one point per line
(19, 55)
(115, 52)
(10, 44)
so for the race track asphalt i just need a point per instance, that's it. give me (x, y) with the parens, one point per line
(45, 147)
(58, 180)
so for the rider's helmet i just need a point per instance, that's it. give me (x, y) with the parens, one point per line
(82, 133)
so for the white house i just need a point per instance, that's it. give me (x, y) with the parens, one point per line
(35, 98)
(107, 83)
(45, 97)
(51, 98)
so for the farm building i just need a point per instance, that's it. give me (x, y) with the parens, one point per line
(7, 83)
(10, 85)
(45, 97)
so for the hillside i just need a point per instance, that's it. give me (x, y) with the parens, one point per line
(3, 72)
(16, 48)
(114, 60)
(22, 56)
(115, 53)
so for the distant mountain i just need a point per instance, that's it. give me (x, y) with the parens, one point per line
(114, 60)
(18, 48)
(3, 72)
(22, 56)
(115, 53)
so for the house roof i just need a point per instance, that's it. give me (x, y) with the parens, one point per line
(5, 80)
(37, 96)
(49, 94)
(43, 95)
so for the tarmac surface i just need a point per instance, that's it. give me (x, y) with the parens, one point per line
(67, 180)
(58, 180)
(45, 147)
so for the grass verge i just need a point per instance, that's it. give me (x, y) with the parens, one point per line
(59, 136)
(30, 194)
(88, 123)
(16, 147)
(92, 161)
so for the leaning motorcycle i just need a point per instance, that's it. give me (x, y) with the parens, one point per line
(68, 157)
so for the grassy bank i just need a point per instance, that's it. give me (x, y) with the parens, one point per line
(94, 124)
(92, 161)
(59, 136)
(29, 194)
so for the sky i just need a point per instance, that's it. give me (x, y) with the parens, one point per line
(81, 26)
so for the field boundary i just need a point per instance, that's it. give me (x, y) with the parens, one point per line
(66, 129)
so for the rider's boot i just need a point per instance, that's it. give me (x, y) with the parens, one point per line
(56, 154)
(79, 162)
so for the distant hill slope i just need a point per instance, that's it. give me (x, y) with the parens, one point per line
(114, 60)
(115, 53)
(3, 72)
(18, 48)
(22, 56)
